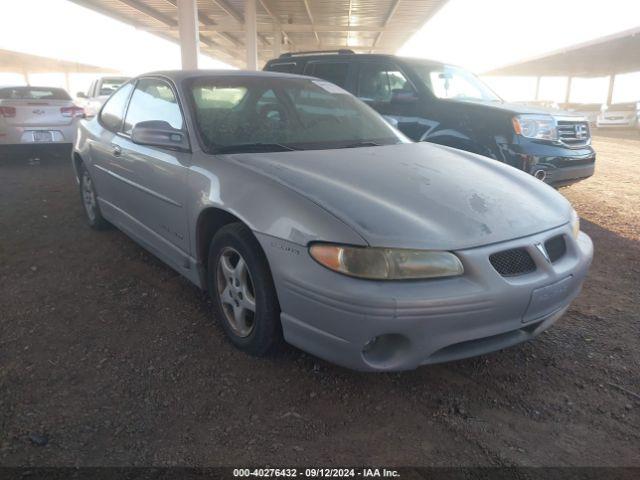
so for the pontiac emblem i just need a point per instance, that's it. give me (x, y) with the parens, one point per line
(543, 251)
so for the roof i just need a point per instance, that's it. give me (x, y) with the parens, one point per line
(613, 54)
(179, 75)
(12, 61)
(362, 25)
(286, 57)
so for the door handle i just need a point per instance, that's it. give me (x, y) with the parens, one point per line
(116, 150)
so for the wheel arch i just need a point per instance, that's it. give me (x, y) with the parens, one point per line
(210, 220)
(454, 139)
(77, 162)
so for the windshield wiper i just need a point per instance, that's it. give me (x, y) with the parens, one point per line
(364, 143)
(253, 147)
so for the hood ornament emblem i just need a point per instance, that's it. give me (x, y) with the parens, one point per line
(543, 251)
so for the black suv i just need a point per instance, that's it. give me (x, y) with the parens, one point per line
(445, 104)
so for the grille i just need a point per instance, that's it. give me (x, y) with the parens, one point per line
(510, 263)
(573, 133)
(556, 248)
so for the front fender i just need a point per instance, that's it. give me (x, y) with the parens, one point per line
(265, 205)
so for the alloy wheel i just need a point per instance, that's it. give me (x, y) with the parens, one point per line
(88, 196)
(236, 292)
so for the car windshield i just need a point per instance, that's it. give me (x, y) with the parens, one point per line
(33, 93)
(110, 85)
(236, 114)
(624, 107)
(449, 82)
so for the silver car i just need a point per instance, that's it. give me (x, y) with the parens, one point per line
(310, 219)
(32, 116)
(98, 93)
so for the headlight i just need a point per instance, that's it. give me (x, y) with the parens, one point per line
(386, 263)
(575, 223)
(540, 127)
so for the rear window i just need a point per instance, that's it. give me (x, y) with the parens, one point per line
(33, 93)
(334, 72)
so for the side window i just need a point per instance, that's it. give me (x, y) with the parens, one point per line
(113, 110)
(153, 99)
(267, 98)
(282, 67)
(377, 82)
(90, 91)
(334, 72)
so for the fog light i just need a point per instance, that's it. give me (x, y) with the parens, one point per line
(540, 174)
(369, 345)
(385, 351)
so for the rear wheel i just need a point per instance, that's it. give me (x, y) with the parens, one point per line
(242, 290)
(90, 200)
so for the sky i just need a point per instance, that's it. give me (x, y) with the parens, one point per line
(65, 30)
(477, 34)
(485, 34)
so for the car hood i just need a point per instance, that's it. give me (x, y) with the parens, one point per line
(516, 108)
(418, 195)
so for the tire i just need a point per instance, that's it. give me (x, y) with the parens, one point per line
(256, 333)
(89, 199)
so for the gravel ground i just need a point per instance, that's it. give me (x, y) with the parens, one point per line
(107, 357)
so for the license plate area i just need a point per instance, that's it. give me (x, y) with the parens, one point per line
(548, 299)
(42, 136)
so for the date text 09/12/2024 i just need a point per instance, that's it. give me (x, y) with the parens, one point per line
(317, 472)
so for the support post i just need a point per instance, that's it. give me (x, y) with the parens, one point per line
(537, 88)
(612, 81)
(567, 94)
(189, 35)
(67, 82)
(251, 30)
(277, 40)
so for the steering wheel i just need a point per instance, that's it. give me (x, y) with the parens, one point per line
(266, 110)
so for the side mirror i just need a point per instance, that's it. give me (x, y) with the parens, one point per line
(159, 133)
(391, 121)
(403, 96)
(81, 95)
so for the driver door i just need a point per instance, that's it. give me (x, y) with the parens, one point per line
(154, 178)
(385, 88)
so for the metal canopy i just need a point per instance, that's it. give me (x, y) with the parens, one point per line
(18, 62)
(610, 55)
(297, 25)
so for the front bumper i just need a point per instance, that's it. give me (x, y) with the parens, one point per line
(561, 165)
(624, 123)
(335, 317)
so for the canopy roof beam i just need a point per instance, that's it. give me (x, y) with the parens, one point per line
(310, 15)
(365, 25)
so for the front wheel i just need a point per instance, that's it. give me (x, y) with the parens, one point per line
(242, 290)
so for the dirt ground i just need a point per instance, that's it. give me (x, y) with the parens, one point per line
(107, 357)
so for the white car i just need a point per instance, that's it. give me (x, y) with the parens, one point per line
(37, 116)
(100, 89)
(621, 115)
(588, 110)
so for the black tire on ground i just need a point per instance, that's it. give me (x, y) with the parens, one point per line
(92, 212)
(266, 331)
